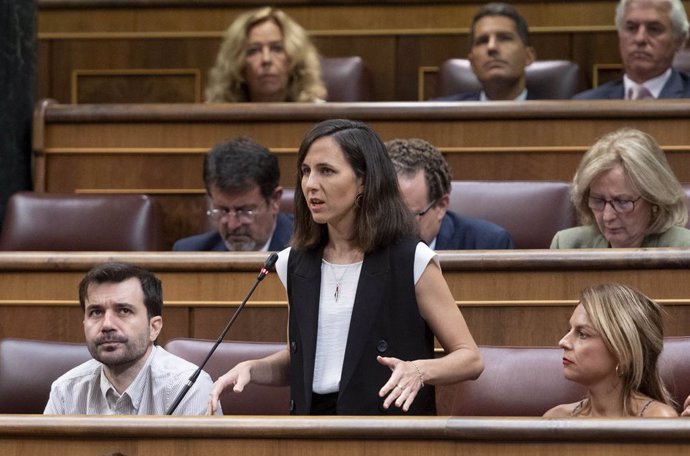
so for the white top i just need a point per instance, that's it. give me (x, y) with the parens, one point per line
(85, 390)
(334, 316)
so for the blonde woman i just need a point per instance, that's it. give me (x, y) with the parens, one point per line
(265, 57)
(626, 196)
(612, 347)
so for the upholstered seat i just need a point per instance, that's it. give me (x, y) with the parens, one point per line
(287, 201)
(681, 61)
(255, 399)
(346, 78)
(545, 79)
(517, 381)
(674, 365)
(528, 381)
(74, 222)
(531, 211)
(29, 367)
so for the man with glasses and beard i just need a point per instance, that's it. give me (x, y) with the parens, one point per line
(129, 374)
(425, 183)
(241, 179)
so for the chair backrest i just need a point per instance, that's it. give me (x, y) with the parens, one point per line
(346, 78)
(255, 399)
(545, 79)
(681, 61)
(528, 381)
(517, 381)
(75, 222)
(287, 201)
(674, 365)
(29, 367)
(531, 211)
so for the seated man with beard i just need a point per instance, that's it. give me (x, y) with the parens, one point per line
(130, 374)
(241, 179)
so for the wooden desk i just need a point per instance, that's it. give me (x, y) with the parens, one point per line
(158, 149)
(306, 436)
(508, 298)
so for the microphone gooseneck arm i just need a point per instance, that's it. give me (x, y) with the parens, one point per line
(268, 264)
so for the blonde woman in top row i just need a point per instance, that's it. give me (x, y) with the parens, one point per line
(265, 56)
(626, 195)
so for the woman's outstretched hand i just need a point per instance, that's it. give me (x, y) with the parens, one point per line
(404, 384)
(238, 377)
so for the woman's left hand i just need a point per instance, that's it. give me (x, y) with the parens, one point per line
(401, 389)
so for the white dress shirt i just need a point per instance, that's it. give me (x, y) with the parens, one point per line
(654, 86)
(85, 390)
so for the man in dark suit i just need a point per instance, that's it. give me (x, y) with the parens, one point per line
(241, 179)
(499, 53)
(425, 183)
(649, 35)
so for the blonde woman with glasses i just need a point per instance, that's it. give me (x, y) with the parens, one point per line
(626, 195)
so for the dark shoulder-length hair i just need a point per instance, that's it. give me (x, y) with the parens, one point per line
(381, 215)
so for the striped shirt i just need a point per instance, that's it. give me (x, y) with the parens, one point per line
(85, 390)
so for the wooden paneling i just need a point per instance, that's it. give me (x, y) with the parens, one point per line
(373, 17)
(159, 149)
(306, 436)
(508, 298)
(131, 86)
(394, 38)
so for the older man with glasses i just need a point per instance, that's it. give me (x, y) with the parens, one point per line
(241, 179)
(424, 179)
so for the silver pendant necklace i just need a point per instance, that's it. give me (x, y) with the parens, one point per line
(336, 294)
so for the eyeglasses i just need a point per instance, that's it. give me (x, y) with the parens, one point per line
(243, 215)
(423, 212)
(620, 206)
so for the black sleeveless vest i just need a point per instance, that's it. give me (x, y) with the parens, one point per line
(385, 321)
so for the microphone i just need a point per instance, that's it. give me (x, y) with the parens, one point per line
(268, 264)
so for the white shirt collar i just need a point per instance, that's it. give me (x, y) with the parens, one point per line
(521, 97)
(654, 85)
(135, 389)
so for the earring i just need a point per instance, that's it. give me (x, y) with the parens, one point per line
(358, 200)
(655, 209)
(619, 373)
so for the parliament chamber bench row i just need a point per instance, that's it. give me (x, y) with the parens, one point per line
(158, 149)
(517, 381)
(96, 52)
(512, 297)
(532, 212)
(39, 435)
